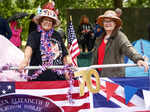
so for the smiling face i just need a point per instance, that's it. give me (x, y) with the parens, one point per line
(109, 24)
(47, 23)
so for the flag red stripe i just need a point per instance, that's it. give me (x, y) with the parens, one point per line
(74, 42)
(61, 97)
(44, 85)
(74, 50)
(76, 55)
(143, 111)
(76, 108)
(74, 62)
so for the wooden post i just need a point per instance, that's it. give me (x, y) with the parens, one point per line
(70, 18)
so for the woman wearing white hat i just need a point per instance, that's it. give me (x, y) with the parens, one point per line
(45, 46)
(113, 46)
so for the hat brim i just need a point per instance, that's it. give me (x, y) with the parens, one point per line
(38, 17)
(116, 19)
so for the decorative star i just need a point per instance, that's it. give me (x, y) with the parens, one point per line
(3, 91)
(9, 87)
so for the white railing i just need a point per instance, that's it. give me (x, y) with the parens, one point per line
(79, 68)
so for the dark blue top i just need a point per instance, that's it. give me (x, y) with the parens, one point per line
(4, 28)
(97, 34)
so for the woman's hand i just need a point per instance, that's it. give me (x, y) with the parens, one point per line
(67, 77)
(67, 61)
(27, 56)
(23, 64)
(143, 63)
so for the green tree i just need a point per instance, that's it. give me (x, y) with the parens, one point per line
(10, 7)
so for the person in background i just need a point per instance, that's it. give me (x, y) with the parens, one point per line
(32, 24)
(45, 46)
(4, 28)
(16, 33)
(98, 30)
(86, 34)
(113, 46)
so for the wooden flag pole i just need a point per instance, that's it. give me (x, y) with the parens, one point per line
(70, 18)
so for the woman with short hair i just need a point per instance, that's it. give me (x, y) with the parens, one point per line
(113, 46)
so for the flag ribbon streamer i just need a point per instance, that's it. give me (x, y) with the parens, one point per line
(65, 69)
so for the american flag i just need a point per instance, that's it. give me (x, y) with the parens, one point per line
(73, 44)
(55, 91)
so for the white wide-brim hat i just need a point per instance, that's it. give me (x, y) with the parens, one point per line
(110, 14)
(47, 13)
